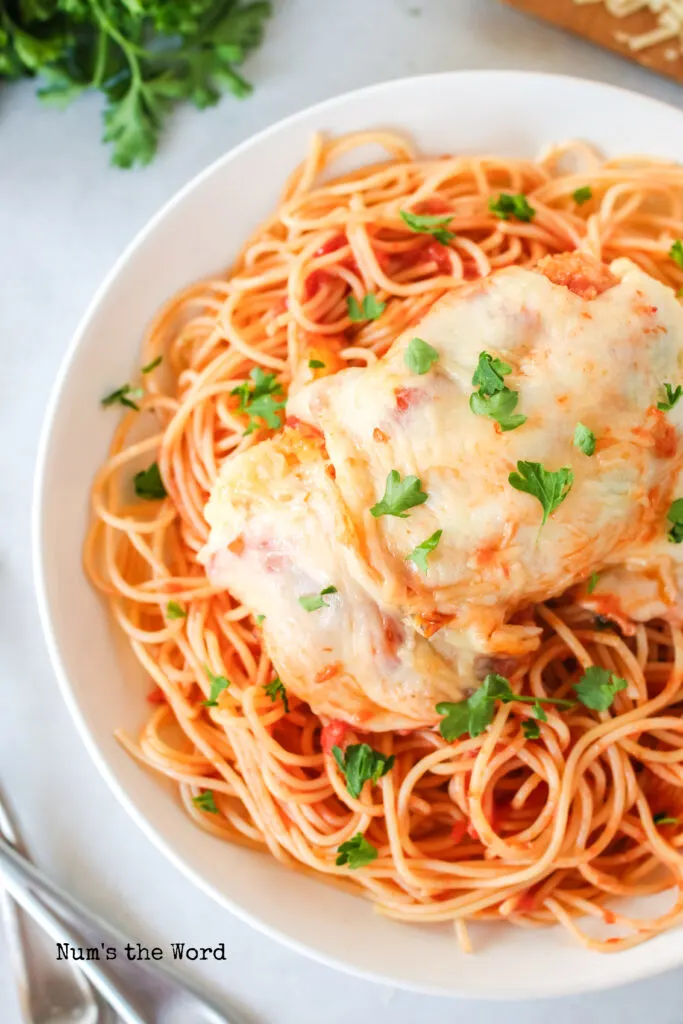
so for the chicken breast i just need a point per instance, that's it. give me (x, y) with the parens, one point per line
(578, 343)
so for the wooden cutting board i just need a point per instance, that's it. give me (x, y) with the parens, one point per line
(593, 22)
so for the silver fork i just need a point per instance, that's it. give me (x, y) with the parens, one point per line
(49, 991)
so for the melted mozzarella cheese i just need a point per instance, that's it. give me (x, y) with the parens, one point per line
(291, 516)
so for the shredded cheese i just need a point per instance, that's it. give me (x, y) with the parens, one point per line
(668, 27)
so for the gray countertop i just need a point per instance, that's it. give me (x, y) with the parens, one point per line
(64, 217)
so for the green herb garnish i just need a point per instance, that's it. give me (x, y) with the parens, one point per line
(419, 554)
(399, 495)
(582, 195)
(359, 764)
(549, 487)
(218, 685)
(419, 356)
(675, 516)
(260, 619)
(149, 485)
(124, 396)
(427, 224)
(261, 400)
(206, 802)
(664, 819)
(506, 206)
(276, 689)
(477, 712)
(311, 602)
(584, 439)
(592, 582)
(175, 611)
(369, 309)
(153, 365)
(676, 253)
(672, 394)
(356, 852)
(494, 398)
(531, 730)
(597, 688)
(315, 364)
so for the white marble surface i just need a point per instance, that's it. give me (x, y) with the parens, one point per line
(64, 217)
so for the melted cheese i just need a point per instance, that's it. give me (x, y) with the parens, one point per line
(291, 516)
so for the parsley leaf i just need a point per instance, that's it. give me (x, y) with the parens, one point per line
(359, 764)
(311, 602)
(598, 687)
(260, 619)
(476, 713)
(507, 205)
(584, 439)
(149, 485)
(531, 730)
(218, 685)
(672, 395)
(124, 395)
(153, 365)
(260, 400)
(582, 195)
(489, 374)
(419, 554)
(663, 819)
(499, 407)
(370, 309)
(550, 487)
(592, 582)
(419, 356)
(276, 689)
(315, 364)
(399, 495)
(356, 852)
(676, 253)
(175, 611)
(675, 516)
(425, 224)
(205, 801)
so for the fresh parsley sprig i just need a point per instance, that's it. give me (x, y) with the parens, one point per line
(549, 487)
(419, 356)
(261, 400)
(429, 224)
(399, 495)
(205, 801)
(218, 685)
(356, 852)
(148, 484)
(494, 398)
(312, 602)
(359, 764)
(675, 516)
(671, 396)
(371, 308)
(582, 195)
(419, 554)
(145, 57)
(507, 205)
(275, 689)
(175, 611)
(676, 253)
(124, 395)
(584, 439)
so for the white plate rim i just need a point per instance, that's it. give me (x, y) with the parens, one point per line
(38, 553)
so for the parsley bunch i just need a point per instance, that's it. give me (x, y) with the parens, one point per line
(146, 56)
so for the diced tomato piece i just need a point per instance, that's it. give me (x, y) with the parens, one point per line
(333, 734)
(526, 902)
(435, 206)
(472, 832)
(439, 254)
(407, 397)
(331, 245)
(156, 696)
(458, 831)
(314, 282)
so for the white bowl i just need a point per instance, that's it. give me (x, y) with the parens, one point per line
(514, 114)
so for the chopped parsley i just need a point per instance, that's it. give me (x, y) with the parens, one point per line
(419, 356)
(419, 554)
(316, 364)
(582, 195)
(494, 398)
(124, 395)
(356, 852)
(218, 685)
(149, 485)
(399, 495)
(311, 602)
(175, 611)
(531, 730)
(592, 582)
(206, 802)
(477, 712)
(359, 764)
(664, 819)
(276, 689)
(507, 205)
(675, 516)
(260, 619)
(584, 439)
(426, 224)
(369, 309)
(261, 400)
(676, 253)
(153, 365)
(597, 688)
(672, 394)
(549, 487)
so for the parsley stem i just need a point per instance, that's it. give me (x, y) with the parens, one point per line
(561, 702)
(100, 59)
(130, 50)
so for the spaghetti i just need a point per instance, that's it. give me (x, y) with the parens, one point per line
(494, 827)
